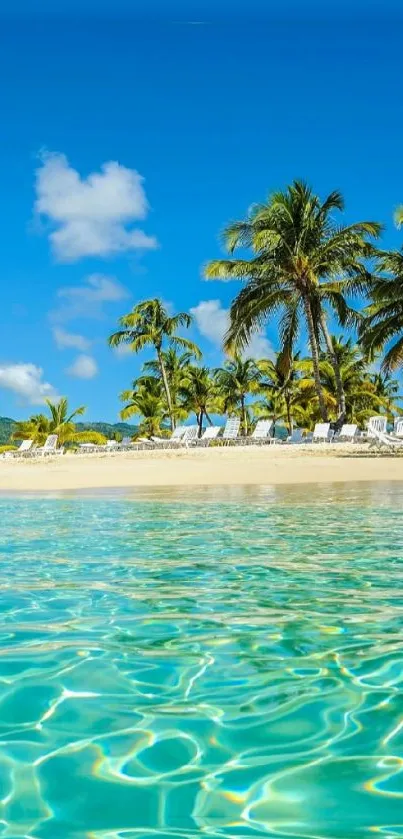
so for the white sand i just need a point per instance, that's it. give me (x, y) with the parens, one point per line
(251, 465)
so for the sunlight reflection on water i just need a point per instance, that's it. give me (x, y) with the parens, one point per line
(210, 661)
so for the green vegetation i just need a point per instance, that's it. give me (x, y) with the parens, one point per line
(60, 422)
(303, 265)
(304, 269)
(7, 427)
(149, 324)
(304, 275)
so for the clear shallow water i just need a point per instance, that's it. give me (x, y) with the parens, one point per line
(227, 665)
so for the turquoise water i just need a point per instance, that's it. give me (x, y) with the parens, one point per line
(202, 664)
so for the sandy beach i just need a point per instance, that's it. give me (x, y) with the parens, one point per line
(236, 466)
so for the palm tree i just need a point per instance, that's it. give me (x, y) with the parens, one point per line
(387, 389)
(363, 396)
(60, 422)
(176, 366)
(149, 324)
(282, 387)
(199, 395)
(235, 381)
(148, 402)
(36, 428)
(302, 263)
(384, 316)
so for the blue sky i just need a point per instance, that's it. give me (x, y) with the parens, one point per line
(213, 108)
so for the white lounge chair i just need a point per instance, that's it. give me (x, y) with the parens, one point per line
(322, 432)
(210, 433)
(296, 436)
(348, 431)
(231, 429)
(376, 424)
(399, 428)
(126, 442)
(25, 447)
(380, 440)
(261, 432)
(189, 436)
(174, 439)
(109, 446)
(181, 436)
(49, 447)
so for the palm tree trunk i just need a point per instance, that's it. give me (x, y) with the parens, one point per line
(166, 388)
(289, 417)
(341, 397)
(200, 424)
(244, 417)
(208, 418)
(315, 358)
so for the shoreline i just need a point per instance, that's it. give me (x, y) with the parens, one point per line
(210, 467)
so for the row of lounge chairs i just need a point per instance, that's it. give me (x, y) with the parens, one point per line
(29, 449)
(187, 435)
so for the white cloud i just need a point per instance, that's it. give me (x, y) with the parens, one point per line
(91, 216)
(86, 301)
(84, 367)
(122, 350)
(212, 321)
(70, 340)
(259, 347)
(26, 381)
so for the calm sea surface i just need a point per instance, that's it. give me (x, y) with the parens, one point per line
(202, 663)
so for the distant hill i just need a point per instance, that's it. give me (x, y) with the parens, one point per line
(107, 428)
(7, 426)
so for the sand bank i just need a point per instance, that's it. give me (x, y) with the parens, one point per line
(251, 465)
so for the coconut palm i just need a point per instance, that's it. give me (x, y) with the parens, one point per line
(236, 380)
(176, 366)
(60, 422)
(150, 324)
(302, 264)
(363, 397)
(199, 394)
(387, 389)
(36, 428)
(283, 388)
(383, 324)
(148, 402)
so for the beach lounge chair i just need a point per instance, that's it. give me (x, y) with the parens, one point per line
(49, 447)
(174, 439)
(380, 440)
(210, 433)
(126, 443)
(296, 436)
(145, 443)
(376, 424)
(261, 433)
(322, 433)
(190, 435)
(25, 447)
(347, 432)
(399, 428)
(181, 436)
(231, 429)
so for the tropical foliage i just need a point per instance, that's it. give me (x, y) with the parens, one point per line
(150, 324)
(306, 275)
(60, 421)
(238, 378)
(303, 265)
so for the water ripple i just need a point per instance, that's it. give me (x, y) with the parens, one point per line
(228, 666)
